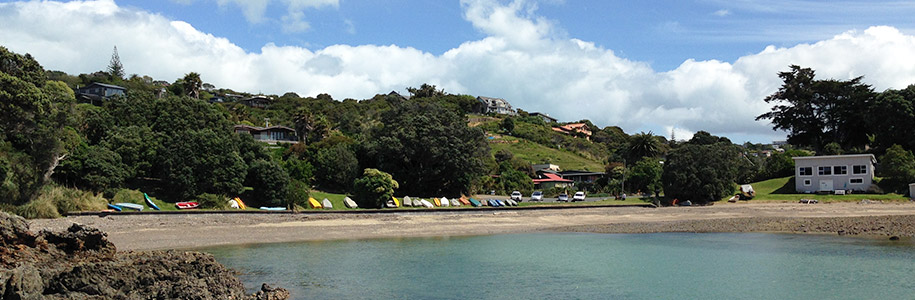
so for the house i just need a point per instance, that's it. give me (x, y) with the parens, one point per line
(487, 105)
(834, 172)
(547, 180)
(257, 101)
(99, 91)
(582, 176)
(270, 135)
(575, 129)
(550, 167)
(546, 118)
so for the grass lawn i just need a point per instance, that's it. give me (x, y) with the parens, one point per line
(335, 199)
(782, 190)
(536, 154)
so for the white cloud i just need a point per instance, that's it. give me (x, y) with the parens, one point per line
(524, 59)
(722, 12)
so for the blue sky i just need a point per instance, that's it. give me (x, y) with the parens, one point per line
(657, 66)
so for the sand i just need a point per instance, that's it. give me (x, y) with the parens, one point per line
(155, 232)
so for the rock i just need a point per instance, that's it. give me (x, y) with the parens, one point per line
(81, 263)
(894, 238)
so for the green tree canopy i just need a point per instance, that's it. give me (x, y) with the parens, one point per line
(700, 173)
(374, 188)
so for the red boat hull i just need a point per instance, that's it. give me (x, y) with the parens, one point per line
(187, 205)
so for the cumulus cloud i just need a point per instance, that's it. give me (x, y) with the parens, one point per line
(523, 58)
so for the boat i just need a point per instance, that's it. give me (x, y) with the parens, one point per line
(474, 202)
(437, 202)
(312, 203)
(187, 205)
(407, 202)
(132, 206)
(271, 208)
(426, 203)
(512, 202)
(492, 202)
(464, 201)
(350, 203)
(326, 204)
(115, 207)
(455, 202)
(150, 202)
(501, 203)
(444, 202)
(396, 201)
(241, 204)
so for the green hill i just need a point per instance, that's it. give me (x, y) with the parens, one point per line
(538, 154)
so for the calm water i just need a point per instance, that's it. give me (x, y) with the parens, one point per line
(584, 266)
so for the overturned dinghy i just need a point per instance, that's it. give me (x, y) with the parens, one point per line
(455, 202)
(407, 202)
(349, 203)
(326, 204)
(445, 202)
(474, 202)
(312, 203)
(426, 203)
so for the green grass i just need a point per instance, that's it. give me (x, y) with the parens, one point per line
(782, 190)
(537, 154)
(335, 199)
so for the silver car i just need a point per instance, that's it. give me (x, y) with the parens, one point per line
(563, 198)
(537, 196)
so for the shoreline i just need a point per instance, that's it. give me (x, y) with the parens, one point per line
(194, 231)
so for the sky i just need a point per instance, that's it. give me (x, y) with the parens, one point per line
(667, 66)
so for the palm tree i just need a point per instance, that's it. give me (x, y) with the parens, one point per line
(193, 84)
(642, 145)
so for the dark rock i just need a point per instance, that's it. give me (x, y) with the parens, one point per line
(894, 238)
(81, 263)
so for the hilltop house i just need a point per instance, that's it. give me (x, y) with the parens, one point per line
(257, 101)
(270, 135)
(99, 91)
(546, 118)
(834, 172)
(486, 105)
(574, 130)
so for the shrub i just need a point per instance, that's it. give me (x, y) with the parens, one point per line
(214, 201)
(128, 196)
(374, 188)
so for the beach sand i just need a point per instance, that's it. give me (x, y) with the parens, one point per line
(153, 232)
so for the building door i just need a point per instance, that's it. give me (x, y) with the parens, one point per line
(826, 185)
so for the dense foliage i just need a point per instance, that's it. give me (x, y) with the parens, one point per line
(702, 170)
(374, 188)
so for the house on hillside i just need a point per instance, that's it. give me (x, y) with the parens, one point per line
(99, 91)
(257, 101)
(550, 167)
(271, 135)
(575, 129)
(582, 176)
(486, 105)
(834, 172)
(546, 118)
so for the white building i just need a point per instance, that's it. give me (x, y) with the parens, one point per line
(833, 172)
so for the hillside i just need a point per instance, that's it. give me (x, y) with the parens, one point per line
(537, 154)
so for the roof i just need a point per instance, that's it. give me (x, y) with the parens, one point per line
(110, 86)
(824, 157)
(255, 128)
(537, 114)
(551, 178)
(580, 173)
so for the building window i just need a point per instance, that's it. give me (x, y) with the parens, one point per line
(859, 169)
(856, 180)
(807, 182)
(824, 170)
(840, 170)
(805, 171)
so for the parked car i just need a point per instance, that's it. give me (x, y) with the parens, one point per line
(579, 196)
(537, 196)
(563, 198)
(516, 195)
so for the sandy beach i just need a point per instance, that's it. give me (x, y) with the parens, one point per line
(152, 232)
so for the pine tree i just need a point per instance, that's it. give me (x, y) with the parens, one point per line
(115, 69)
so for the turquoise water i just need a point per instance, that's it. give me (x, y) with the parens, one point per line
(584, 266)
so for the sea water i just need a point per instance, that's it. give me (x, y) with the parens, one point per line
(584, 266)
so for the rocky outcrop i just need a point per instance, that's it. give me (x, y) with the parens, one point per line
(81, 263)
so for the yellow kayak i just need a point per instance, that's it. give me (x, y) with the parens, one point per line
(437, 202)
(396, 202)
(314, 203)
(241, 205)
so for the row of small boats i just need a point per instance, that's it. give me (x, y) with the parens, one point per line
(445, 202)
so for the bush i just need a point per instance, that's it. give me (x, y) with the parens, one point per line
(374, 188)
(128, 196)
(214, 201)
(298, 195)
(56, 200)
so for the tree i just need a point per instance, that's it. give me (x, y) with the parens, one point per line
(374, 188)
(310, 128)
(508, 124)
(115, 69)
(428, 148)
(192, 85)
(268, 182)
(892, 118)
(898, 168)
(514, 180)
(818, 112)
(336, 167)
(425, 91)
(642, 145)
(193, 162)
(700, 173)
(645, 175)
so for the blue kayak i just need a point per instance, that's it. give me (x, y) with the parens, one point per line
(272, 208)
(501, 203)
(150, 202)
(115, 207)
(493, 203)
